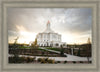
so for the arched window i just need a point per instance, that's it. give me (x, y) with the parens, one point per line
(45, 45)
(57, 44)
(51, 45)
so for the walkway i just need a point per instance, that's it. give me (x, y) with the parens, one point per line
(68, 57)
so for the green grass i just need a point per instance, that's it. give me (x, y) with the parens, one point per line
(23, 47)
(50, 48)
(42, 49)
(56, 49)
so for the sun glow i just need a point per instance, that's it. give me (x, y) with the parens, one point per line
(26, 37)
(74, 38)
(23, 35)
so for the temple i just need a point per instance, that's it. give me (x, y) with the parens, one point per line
(49, 38)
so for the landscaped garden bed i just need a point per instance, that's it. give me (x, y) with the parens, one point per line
(34, 52)
(23, 60)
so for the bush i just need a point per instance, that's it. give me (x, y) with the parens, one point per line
(51, 61)
(74, 61)
(39, 59)
(42, 60)
(21, 59)
(81, 61)
(46, 59)
(16, 59)
(11, 60)
(55, 62)
(58, 62)
(65, 61)
(28, 59)
(90, 61)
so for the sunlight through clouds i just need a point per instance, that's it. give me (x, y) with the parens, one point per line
(74, 24)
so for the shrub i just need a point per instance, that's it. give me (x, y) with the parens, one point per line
(90, 61)
(81, 61)
(46, 59)
(16, 59)
(74, 61)
(11, 60)
(55, 62)
(43, 61)
(33, 59)
(29, 59)
(21, 59)
(58, 62)
(40, 59)
(65, 61)
(51, 61)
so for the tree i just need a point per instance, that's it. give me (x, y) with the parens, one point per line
(62, 51)
(88, 50)
(16, 40)
(35, 43)
(15, 46)
(78, 54)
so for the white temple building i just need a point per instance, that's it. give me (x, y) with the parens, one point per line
(49, 38)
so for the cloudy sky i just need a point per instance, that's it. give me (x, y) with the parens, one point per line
(74, 24)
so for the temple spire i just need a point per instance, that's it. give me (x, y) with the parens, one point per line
(48, 25)
(48, 22)
(48, 29)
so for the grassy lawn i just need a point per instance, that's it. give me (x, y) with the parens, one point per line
(42, 49)
(50, 48)
(56, 49)
(24, 47)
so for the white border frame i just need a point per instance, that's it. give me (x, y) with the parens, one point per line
(48, 67)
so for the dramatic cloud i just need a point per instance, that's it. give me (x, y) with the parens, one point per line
(73, 23)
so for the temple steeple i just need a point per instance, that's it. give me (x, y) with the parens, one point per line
(48, 29)
(49, 38)
(48, 25)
